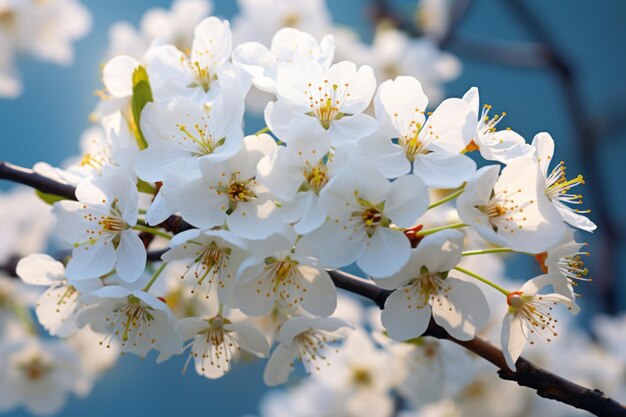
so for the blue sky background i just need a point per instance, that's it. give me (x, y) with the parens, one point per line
(47, 120)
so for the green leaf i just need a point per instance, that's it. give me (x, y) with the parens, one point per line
(142, 94)
(144, 187)
(49, 198)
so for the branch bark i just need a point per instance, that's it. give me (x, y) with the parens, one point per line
(545, 383)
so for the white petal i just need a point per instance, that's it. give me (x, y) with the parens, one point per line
(255, 220)
(205, 209)
(279, 366)
(407, 200)
(514, 335)
(401, 103)
(452, 126)
(40, 269)
(386, 252)
(117, 75)
(544, 150)
(321, 296)
(250, 338)
(443, 170)
(464, 310)
(441, 251)
(91, 261)
(131, 256)
(350, 129)
(402, 318)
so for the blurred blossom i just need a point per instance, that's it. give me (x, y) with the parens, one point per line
(42, 29)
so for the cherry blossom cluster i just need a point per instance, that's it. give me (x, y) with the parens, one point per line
(359, 166)
(42, 29)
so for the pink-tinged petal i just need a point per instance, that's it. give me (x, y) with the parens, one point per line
(463, 311)
(407, 200)
(131, 256)
(514, 336)
(386, 252)
(403, 318)
(443, 170)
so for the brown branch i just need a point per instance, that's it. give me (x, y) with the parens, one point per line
(547, 384)
(31, 178)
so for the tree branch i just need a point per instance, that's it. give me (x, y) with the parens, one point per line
(31, 178)
(547, 384)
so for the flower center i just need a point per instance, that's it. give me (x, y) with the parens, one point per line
(200, 139)
(324, 102)
(111, 224)
(316, 177)
(202, 73)
(361, 377)
(35, 370)
(371, 217)
(238, 191)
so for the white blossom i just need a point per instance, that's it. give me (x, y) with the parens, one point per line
(557, 186)
(99, 226)
(306, 339)
(424, 287)
(431, 148)
(336, 97)
(530, 314)
(136, 320)
(512, 209)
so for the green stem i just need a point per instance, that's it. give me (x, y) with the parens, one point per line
(448, 198)
(264, 130)
(482, 279)
(425, 232)
(494, 250)
(155, 276)
(152, 230)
